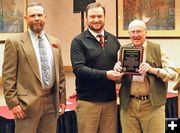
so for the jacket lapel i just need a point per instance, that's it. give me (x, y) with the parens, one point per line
(30, 54)
(149, 58)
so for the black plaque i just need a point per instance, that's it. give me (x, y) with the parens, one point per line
(131, 58)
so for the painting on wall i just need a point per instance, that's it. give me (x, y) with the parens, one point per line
(11, 17)
(162, 17)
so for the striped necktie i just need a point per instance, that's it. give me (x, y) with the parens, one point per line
(101, 40)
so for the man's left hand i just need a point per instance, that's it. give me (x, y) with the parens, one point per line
(145, 67)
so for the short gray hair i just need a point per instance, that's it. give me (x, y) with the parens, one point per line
(137, 23)
(32, 4)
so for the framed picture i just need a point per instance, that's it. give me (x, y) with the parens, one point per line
(162, 17)
(12, 17)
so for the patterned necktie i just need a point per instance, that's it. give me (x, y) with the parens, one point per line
(101, 40)
(44, 61)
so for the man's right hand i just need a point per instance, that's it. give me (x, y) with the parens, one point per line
(18, 112)
(114, 75)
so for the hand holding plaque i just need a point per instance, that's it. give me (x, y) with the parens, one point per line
(131, 58)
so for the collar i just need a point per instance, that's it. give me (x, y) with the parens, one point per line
(95, 34)
(34, 35)
(144, 44)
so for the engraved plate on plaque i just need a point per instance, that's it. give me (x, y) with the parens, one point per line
(131, 58)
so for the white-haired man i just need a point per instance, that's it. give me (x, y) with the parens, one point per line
(143, 97)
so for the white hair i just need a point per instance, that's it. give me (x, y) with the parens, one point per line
(137, 23)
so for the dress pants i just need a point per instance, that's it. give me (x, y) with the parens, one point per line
(142, 117)
(44, 121)
(96, 117)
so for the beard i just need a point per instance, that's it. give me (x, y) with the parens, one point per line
(95, 28)
(37, 28)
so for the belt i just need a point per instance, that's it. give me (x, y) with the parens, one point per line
(140, 97)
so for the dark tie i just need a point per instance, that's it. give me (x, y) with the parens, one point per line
(101, 40)
(44, 61)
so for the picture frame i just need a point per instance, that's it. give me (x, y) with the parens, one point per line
(12, 18)
(163, 30)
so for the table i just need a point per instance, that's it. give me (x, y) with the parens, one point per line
(67, 123)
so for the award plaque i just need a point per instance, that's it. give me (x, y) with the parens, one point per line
(131, 58)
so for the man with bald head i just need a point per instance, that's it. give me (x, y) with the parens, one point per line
(143, 97)
(33, 76)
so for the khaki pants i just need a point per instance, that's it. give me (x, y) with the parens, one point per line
(96, 117)
(141, 117)
(44, 121)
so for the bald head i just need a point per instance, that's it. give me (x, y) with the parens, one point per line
(137, 24)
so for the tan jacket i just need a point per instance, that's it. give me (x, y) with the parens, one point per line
(21, 76)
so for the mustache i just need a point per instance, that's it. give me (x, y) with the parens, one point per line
(97, 22)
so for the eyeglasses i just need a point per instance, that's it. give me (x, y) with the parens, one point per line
(136, 32)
